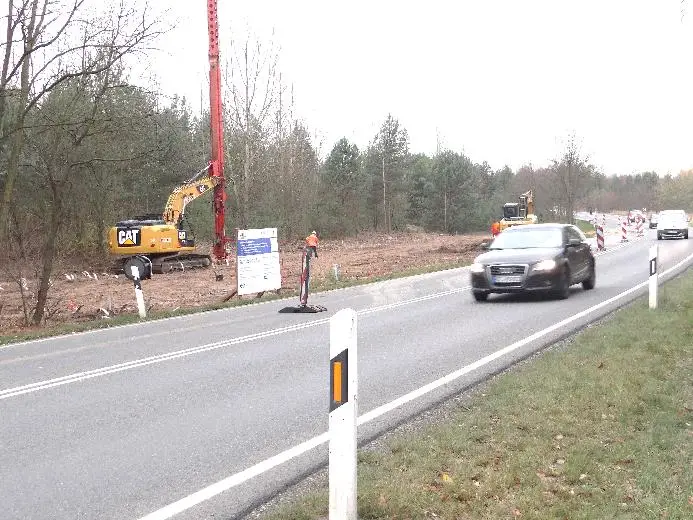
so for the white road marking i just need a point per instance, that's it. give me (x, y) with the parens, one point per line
(112, 369)
(412, 278)
(243, 476)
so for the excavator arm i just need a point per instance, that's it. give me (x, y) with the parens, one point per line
(186, 193)
(527, 198)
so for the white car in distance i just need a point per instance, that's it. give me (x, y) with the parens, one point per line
(672, 223)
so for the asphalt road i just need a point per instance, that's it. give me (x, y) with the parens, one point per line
(120, 423)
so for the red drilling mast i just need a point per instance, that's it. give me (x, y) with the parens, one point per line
(216, 164)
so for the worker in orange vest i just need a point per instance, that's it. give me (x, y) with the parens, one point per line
(495, 228)
(312, 243)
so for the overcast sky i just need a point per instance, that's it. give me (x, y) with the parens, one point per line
(503, 81)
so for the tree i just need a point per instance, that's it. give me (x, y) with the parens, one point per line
(392, 145)
(253, 91)
(571, 173)
(64, 67)
(49, 42)
(418, 189)
(342, 180)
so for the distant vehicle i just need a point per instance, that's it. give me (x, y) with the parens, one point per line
(534, 257)
(653, 220)
(672, 223)
(634, 214)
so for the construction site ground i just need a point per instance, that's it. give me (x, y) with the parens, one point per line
(83, 293)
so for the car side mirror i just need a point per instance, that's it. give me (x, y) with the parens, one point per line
(574, 242)
(484, 245)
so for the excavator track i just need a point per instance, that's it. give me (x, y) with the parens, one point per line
(172, 263)
(168, 264)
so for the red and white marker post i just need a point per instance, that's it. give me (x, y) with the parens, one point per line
(624, 230)
(600, 238)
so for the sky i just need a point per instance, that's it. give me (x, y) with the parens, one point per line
(504, 82)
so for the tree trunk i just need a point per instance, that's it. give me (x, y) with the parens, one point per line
(245, 210)
(386, 222)
(48, 255)
(570, 193)
(18, 137)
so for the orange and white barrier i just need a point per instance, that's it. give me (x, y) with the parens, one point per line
(638, 227)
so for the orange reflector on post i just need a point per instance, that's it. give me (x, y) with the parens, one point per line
(339, 382)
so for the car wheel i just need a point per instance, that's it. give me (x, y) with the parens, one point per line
(480, 296)
(591, 280)
(563, 289)
(685, 235)
(659, 236)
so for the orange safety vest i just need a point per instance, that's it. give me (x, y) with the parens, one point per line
(312, 241)
(495, 228)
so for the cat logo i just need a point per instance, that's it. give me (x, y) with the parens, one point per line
(182, 235)
(201, 188)
(129, 237)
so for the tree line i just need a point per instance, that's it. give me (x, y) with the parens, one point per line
(83, 146)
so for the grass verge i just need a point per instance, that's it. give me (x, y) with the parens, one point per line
(317, 285)
(586, 227)
(600, 429)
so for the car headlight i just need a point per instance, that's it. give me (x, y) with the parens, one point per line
(477, 268)
(545, 265)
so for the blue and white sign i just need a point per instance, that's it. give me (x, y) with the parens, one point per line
(258, 261)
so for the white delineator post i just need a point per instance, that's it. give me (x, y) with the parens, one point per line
(138, 291)
(653, 276)
(343, 415)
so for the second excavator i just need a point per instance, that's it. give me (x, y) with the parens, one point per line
(519, 213)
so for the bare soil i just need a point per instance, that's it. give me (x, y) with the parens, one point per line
(94, 293)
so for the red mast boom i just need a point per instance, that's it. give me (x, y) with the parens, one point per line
(217, 133)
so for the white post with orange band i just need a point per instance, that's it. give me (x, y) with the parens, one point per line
(343, 415)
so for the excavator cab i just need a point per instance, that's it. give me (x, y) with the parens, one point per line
(511, 211)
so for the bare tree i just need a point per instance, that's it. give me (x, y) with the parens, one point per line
(254, 89)
(57, 64)
(571, 171)
(49, 42)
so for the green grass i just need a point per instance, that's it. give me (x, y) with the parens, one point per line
(317, 285)
(586, 227)
(602, 428)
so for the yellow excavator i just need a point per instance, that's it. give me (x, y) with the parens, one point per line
(165, 240)
(519, 213)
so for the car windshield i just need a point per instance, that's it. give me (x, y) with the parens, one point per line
(519, 238)
(672, 213)
(671, 217)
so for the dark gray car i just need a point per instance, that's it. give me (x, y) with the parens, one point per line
(535, 257)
